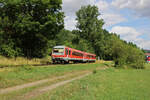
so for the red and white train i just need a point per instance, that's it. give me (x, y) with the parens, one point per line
(63, 54)
(148, 59)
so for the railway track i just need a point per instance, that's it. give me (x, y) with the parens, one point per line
(5, 66)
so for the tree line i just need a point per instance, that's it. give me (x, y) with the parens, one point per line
(30, 28)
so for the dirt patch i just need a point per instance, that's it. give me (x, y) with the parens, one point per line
(15, 88)
(42, 90)
(45, 89)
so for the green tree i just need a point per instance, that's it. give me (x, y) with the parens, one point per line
(88, 23)
(136, 57)
(90, 27)
(31, 24)
(65, 37)
(124, 53)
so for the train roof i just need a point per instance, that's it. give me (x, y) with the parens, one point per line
(59, 46)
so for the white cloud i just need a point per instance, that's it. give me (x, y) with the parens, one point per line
(143, 43)
(110, 16)
(112, 19)
(140, 7)
(71, 6)
(131, 35)
(70, 22)
(102, 5)
(127, 32)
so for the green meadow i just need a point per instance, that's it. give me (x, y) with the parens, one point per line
(109, 84)
(13, 76)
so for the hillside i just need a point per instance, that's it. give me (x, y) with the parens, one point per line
(147, 51)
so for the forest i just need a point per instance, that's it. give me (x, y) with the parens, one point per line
(30, 28)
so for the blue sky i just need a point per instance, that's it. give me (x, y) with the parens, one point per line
(128, 18)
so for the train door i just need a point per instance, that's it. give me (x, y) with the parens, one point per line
(66, 52)
(69, 54)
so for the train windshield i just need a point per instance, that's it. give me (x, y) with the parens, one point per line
(58, 51)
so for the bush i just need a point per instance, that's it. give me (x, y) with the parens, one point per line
(136, 58)
(94, 71)
(9, 51)
(126, 54)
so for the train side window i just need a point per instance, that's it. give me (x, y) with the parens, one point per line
(77, 54)
(69, 52)
(66, 51)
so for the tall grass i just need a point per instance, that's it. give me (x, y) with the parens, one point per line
(22, 61)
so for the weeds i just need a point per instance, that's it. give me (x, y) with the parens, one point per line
(94, 71)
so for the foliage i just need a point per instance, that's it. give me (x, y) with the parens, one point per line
(136, 58)
(90, 27)
(88, 23)
(9, 51)
(65, 37)
(146, 51)
(32, 25)
(126, 54)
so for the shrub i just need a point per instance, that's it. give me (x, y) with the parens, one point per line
(94, 71)
(136, 58)
(126, 54)
(10, 51)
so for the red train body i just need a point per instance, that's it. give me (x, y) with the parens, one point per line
(63, 54)
(148, 59)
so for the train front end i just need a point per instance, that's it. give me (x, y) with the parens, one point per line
(58, 54)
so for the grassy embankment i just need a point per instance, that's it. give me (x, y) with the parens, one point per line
(12, 76)
(22, 61)
(109, 84)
